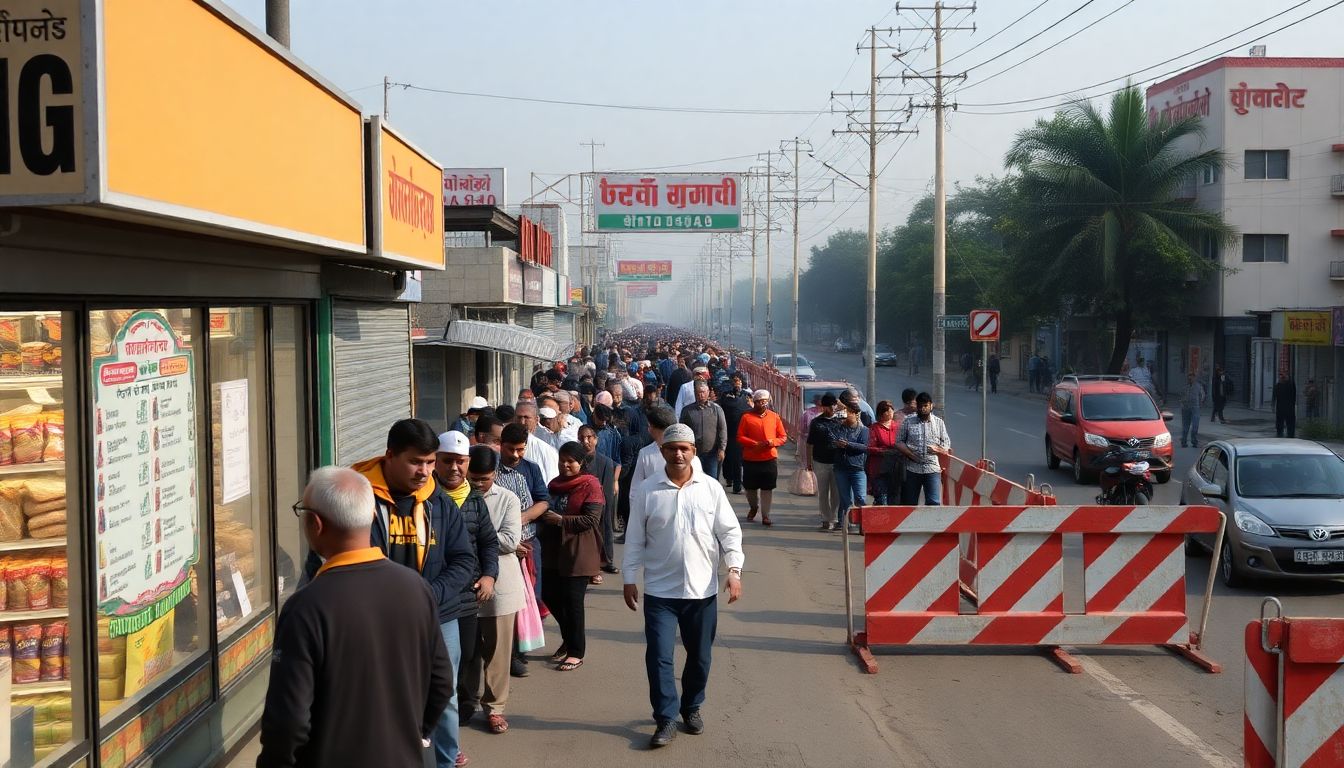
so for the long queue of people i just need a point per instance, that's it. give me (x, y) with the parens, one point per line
(433, 566)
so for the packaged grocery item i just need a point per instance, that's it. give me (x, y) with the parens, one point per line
(46, 489)
(11, 510)
(109, 688)
(52, 325)
(6, 445)
(27, 653)
(38, 582)
(16, 573)
(9, 332)
(28, 438)
(10, 362)
(34, 356)
(54, 448)
(52, 650)
(60, 583)
(45, 519)
(4, 585)
(6, 643)
(56, 531)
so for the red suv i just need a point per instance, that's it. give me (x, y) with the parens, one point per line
(1089, 415)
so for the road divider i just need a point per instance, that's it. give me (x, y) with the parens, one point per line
(1133, 578)
(1294, 712)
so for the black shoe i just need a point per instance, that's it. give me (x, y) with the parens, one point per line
(518, 667)
(695, 725)
(663, 734)
(609, 568)
(737, 489)
(465, 713)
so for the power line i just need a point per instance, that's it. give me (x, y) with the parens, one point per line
(1033, 37)
(1061, 41)
(1169, 73)
(600, 105)
(1140, 71)
(996, 34)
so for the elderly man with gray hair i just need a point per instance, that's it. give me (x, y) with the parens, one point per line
(710, 425)
(344, 647)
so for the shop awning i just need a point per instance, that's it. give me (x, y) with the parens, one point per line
(501, 337)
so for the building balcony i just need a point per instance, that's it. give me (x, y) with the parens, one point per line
(1337, 185)
(1337, 270)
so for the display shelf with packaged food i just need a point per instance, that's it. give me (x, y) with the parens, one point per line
(32, 689)
(51, 380)
(27, 544)
(32, 469)
(46, 613)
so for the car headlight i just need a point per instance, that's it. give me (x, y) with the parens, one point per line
(1162, 440)
(1251, 524)
(1096, 441)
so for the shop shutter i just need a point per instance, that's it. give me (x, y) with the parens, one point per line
(371, 348)
(543, 322)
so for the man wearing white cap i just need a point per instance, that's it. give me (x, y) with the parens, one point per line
(686, 395)
(551, 428)
(681, 525)
(466, 423)
(760, 433)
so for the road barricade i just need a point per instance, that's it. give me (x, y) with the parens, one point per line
(1133, 586)
(967, 484)
(1294, 691)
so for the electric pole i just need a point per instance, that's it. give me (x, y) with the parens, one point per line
(769, 273)
(752, 344)
(796, 144)
(873, 135)
(938, 105)
(277, 21)
(589, 258)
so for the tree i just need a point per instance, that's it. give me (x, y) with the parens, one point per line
(832, 288)
(1109, 232)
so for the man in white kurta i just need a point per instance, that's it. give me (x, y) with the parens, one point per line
(681, 525)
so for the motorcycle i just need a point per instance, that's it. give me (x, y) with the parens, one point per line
(1126, 476)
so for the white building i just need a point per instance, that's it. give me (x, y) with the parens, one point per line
(1281, 123)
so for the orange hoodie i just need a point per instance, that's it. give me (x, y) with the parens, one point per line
(754, 429)
(372, 470)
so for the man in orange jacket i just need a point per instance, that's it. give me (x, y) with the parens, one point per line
(760, 433)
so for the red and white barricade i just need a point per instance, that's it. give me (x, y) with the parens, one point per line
(1294, 692)
(1133, 580)
(967, 484)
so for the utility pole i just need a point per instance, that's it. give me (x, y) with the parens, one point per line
(938, 105)
(752, 344)
(589, 258)
(873, 134)
(277, 21)
(796, 144)
(387, 85)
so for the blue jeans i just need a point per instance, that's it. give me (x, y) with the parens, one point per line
(698, 620)
(1189, 425)
(446, 744)
(931, 484)
(853, 485)
(710, 463)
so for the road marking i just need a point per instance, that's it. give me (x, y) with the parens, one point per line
(1024, 434)
(1156, 715)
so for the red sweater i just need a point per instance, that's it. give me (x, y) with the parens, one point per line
(754, 429)
(880, 438)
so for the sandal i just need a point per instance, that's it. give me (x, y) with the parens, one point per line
(498, 724)
(560, 655)
(570, 666)
(766, 521)
(751, 514)
(596, 579)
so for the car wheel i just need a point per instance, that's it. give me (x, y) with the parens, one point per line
(1051, 460)
(1079, 475)
(1233, 575)
(1163, 477)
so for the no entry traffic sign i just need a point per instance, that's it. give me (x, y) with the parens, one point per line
(984, 324)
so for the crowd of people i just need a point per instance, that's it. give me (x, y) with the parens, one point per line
(510, 515)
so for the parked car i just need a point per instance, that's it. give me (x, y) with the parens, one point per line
(883, 354)
(813, 389)
(1284, 501)
(784, 362)
(843, 345)
(1086, 415)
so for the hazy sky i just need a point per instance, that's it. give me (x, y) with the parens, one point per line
(782, 55)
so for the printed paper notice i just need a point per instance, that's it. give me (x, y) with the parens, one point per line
(145, 473)
(235, 468)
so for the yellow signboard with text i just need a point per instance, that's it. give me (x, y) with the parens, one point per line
(42, 139)
(1311, 328)
(407, 196)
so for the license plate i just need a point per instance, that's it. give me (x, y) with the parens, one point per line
(1320, 556)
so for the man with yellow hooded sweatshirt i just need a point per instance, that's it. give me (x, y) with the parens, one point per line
(416, 524)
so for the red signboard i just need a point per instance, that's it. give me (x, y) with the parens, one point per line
(644, 270)
(534, 242)
(1279, 97)
(640, 290)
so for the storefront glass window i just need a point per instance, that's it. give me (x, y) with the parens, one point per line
(40, 621)
(151, 581)
(292, 430)
(240, 444)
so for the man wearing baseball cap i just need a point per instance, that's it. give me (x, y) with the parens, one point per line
(760, 433)
(670, 513)
(450, 470)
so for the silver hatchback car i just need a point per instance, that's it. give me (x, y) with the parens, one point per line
(1284, 501)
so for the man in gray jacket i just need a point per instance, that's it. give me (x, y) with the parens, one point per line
(707, 421)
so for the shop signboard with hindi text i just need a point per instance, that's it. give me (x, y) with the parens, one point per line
(647, 270)
(640, 290)
(145, 473)
(42, 131)
(473, 186)
(656, 202)
(1305, 328)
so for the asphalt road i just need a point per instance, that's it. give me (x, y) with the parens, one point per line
(785, 692)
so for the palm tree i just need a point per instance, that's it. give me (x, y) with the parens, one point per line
(1108, 231)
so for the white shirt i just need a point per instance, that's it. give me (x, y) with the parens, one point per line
(544, 456)
(650, 462)
(678, 535)
(685, 396)
(570, 433)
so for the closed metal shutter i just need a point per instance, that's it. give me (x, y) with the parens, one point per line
(543, 322)
(564, 328)
(371, 348)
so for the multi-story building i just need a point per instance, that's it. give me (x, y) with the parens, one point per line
(1269, 309)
